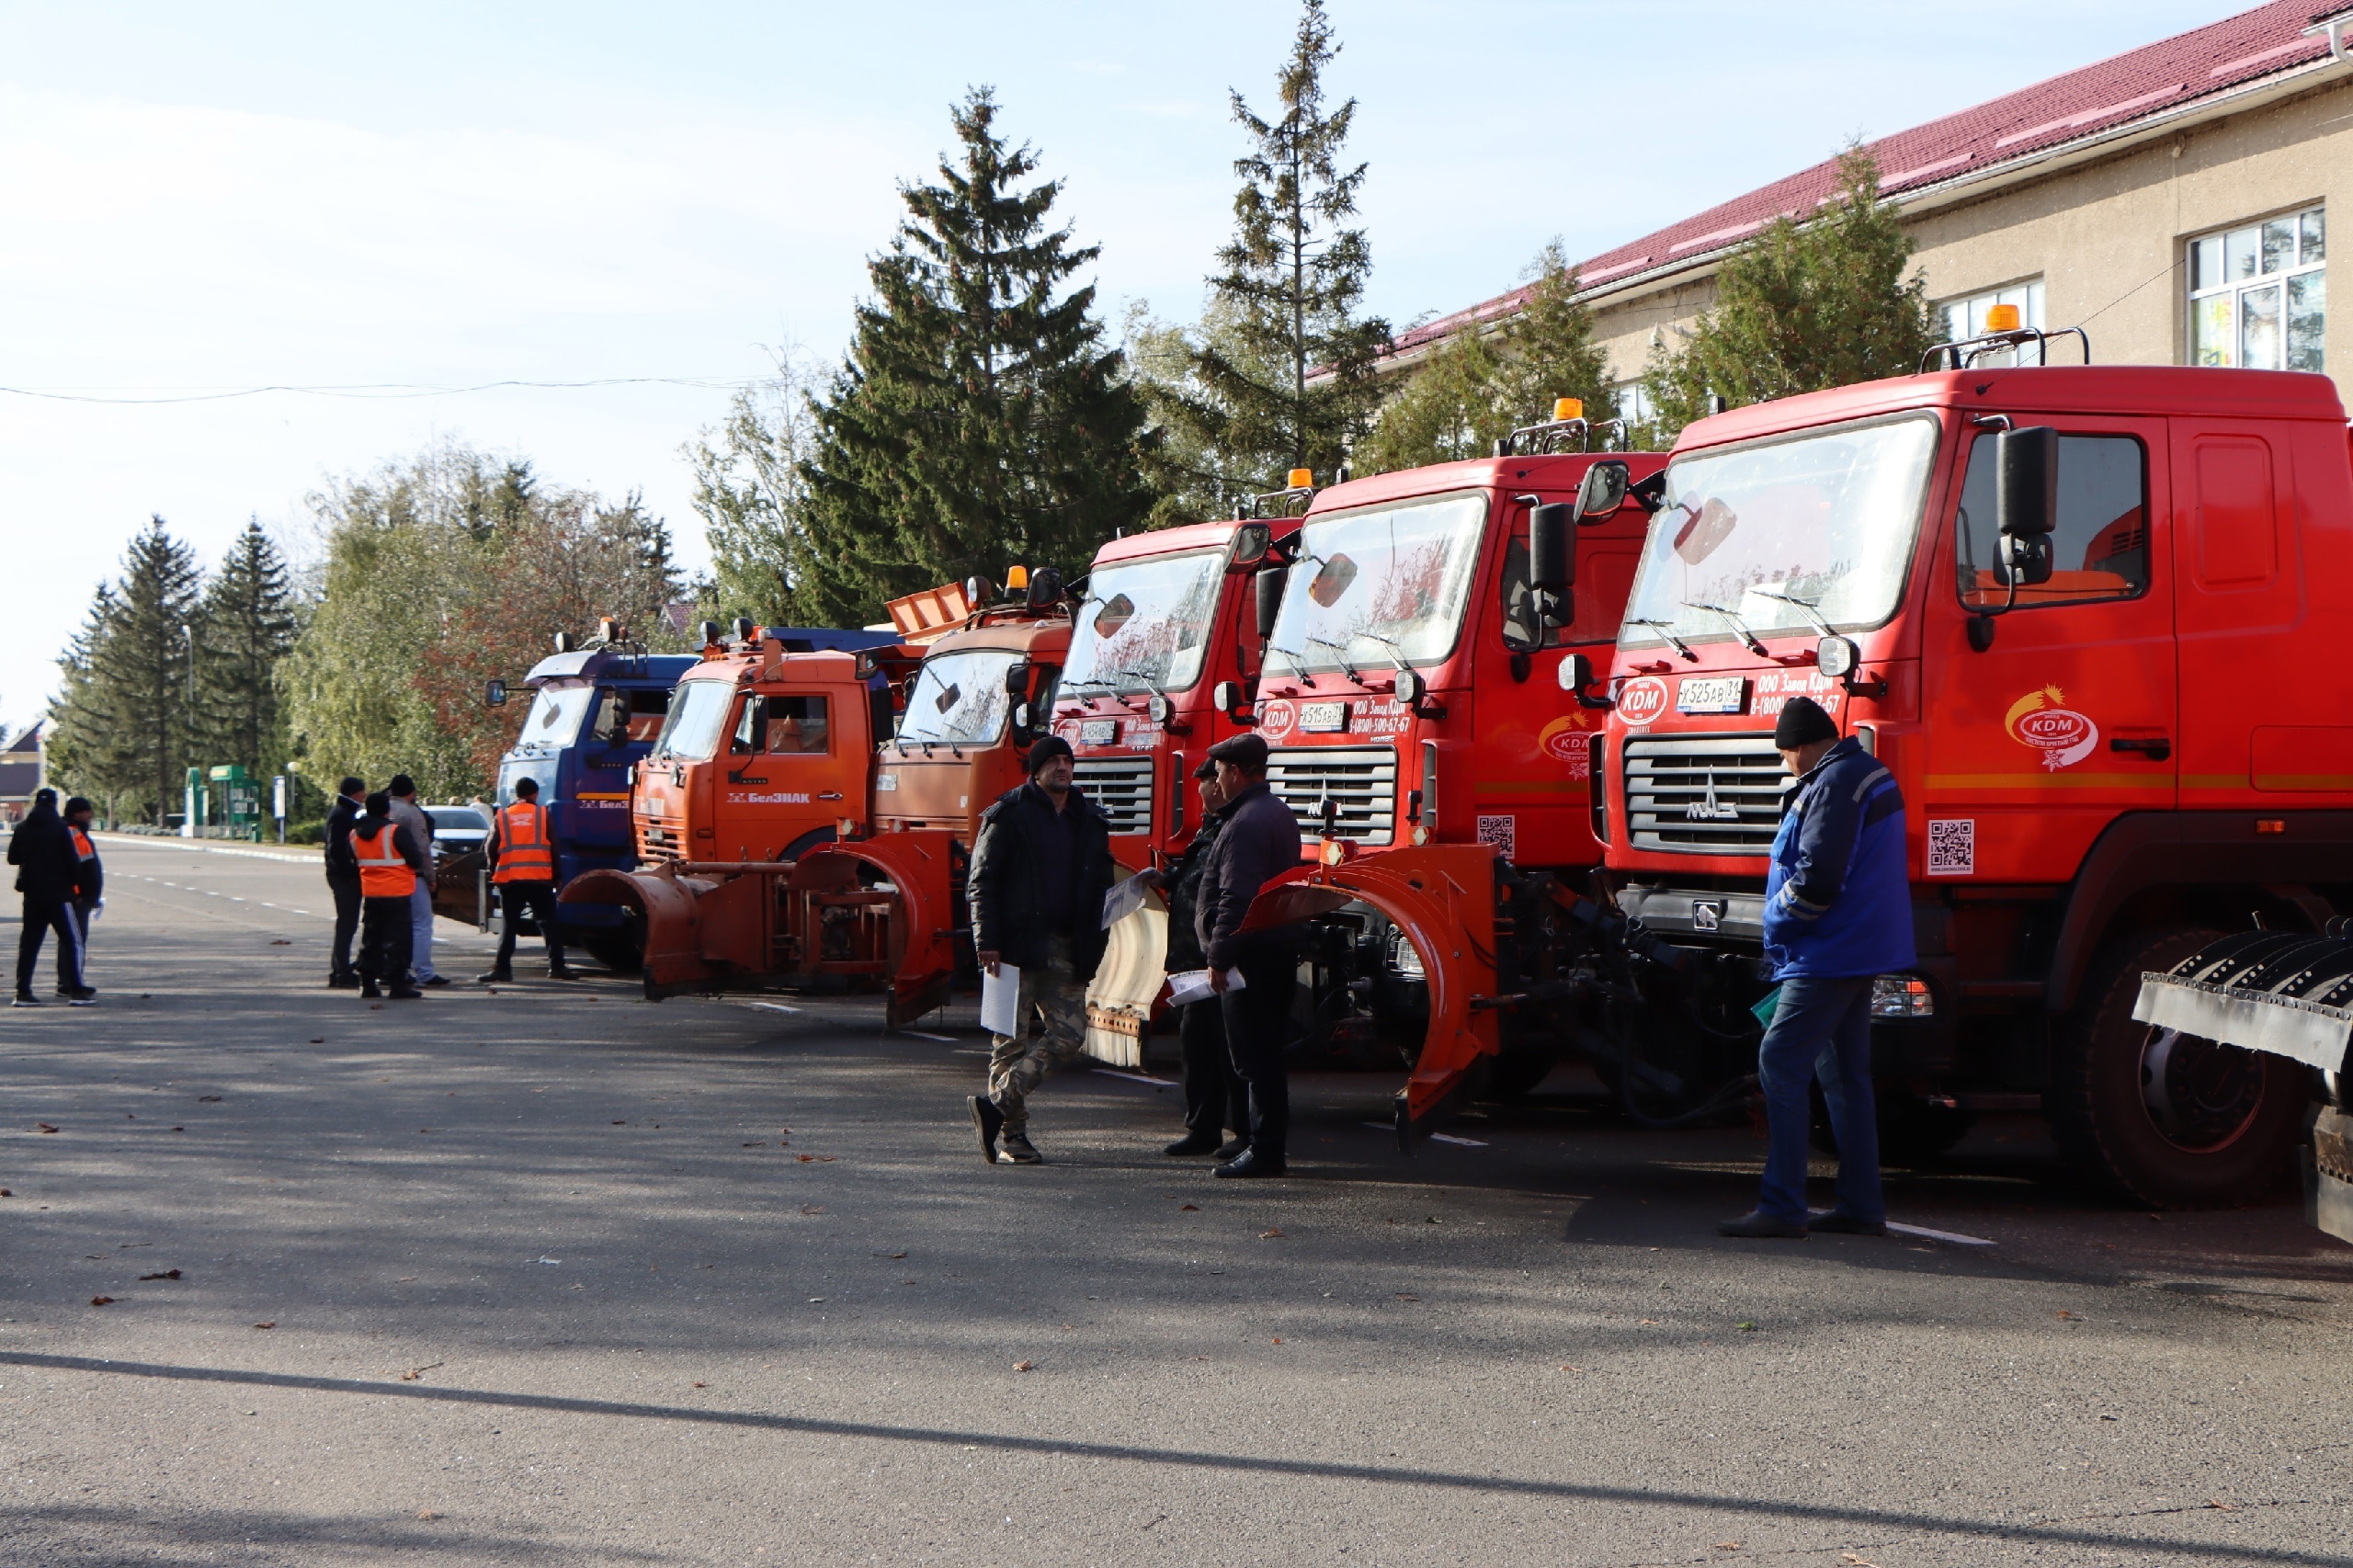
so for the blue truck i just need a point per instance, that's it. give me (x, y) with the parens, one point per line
(594, 712)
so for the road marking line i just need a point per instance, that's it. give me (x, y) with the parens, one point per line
(942, 1039)
(1136, 1078)
(771, 1006)
(1954, 1236)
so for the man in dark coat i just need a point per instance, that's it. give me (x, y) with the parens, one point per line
(1040, 866)
(343, 881)
(47, 875)
(1215, 1096)
(1260, 841)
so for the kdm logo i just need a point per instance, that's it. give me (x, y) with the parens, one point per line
(2041, 720)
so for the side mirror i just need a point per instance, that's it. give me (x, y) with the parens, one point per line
(1016, 680)
(2026, 501)
(1603, 492)
(495, 694)
(1836, 657)
(1413, 689)
(1229, 697)
(1251, 542)
(1552, 559)
(1022, 715)
(1576, 675)
(1269, 587)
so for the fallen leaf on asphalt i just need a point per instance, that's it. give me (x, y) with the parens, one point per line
(1403, 1297)
(762, 1144)
(1857, 1561)
(620, 1124)
(412, 1374)
(179, 1130)
(272, 1323)
(1279, 1340)
(1746, 1325)
(425, 1130)
(1025, 1366)
(168, 1274)
(812, 1208)
(1727, 1546)
(2064, 1315)
(2226, 1508)
(1647, 1323)
(6, 1193)
(1566, 1368)
(44, 1127)
(816, 1159)
(210, 1099)
(1430, 1220)
(1189, 1209)
(108, 1300)
(894, 1256)
(1274, 1236)
(279, 942)
(426, 1513)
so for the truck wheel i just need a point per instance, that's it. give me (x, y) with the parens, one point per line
(2167, 1120)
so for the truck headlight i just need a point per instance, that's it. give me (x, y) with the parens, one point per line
(1902, 996)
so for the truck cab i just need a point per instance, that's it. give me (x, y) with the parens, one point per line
(970, 712)
(2084, 616)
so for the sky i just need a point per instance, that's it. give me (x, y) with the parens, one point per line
(198, 199)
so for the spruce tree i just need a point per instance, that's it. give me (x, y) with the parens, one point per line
(247, 625)
(1822, 302)
(125, 714)
(978, 420)
(84, 747)
(1293, 279)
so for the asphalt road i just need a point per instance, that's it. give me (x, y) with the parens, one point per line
(556, 1275)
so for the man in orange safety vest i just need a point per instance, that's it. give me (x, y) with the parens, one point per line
(390, 861)
(525, 855)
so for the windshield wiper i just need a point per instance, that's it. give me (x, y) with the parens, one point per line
(1666, 628)
(1293, 655)
(1339, 652)
(1739, 627)
(1396, 649)
(1811, 608)
(1150, 685)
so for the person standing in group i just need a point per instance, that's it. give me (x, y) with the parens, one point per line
(1215, 1096)
(411, 817)
(1040, 866)
(89, 880)
(390, 861)
(519, 846)
(43, 851)
(1837, 913)
(343, 881)
(1259, 842)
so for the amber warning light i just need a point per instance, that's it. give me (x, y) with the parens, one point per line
(2002, 318)
(1303, 479)
(1568, 408)
(1016, 577)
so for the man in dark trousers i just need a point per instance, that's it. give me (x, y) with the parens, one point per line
(1259, 842)
(1837, 913)
(390, 862)
(43, 851)
(1039, 870)
(519, 846)
(1215, 1096)
(343, 881)
(89, 883)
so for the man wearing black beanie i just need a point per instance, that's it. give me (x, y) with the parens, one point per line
(1040, 866)
(1837, 913)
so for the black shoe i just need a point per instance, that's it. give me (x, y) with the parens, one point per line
(369, 994)
(987, 1120)
(495, 977)
(1757, 1223)
(1837, 1224)
(1192, 1143)
(1232, 1148)
(83, 997)
(1250, 1163)
(1019, 1150)
(26, 999)
(343, 983)
(406, 994)
(564, 974)
(436, 979)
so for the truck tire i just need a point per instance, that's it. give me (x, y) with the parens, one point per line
(2164, 1119)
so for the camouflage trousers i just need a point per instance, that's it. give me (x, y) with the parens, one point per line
(1052, 1014)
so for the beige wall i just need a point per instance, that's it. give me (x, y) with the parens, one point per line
(2106, 237)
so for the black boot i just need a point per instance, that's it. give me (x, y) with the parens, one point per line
(987, 1120)
(1192, 1143)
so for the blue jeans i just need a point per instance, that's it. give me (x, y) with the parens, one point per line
(1821, 1028)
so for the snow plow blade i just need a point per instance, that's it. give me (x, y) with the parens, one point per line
(1125, 994)
(1443, 898)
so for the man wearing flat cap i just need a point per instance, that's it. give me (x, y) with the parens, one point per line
(1837, 913)
(1215, 1096)
(1040, 866)
(1259, 842)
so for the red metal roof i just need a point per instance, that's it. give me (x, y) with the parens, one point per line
(2115, 92)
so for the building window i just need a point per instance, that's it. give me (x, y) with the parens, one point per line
(2258, 295)
(1965, 319)
(1634, 403)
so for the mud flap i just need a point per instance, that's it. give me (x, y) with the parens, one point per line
(456, 887)
(1442, 897)
(1128, 985)
(922, 942)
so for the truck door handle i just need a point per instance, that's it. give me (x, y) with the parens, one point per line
(830, 795)
(2156, 748)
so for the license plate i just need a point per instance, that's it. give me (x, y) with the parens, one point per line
(1322, 718)
(1715, 694)
(1099, 732)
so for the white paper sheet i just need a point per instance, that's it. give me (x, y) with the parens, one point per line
(1001, 999)
(1124, 898)
(1193, 985)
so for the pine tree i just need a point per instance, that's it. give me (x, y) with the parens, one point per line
(247, 625)
(125, 715)
(1293, 278)
(84, 747)
(1807, 305)
(978, 420)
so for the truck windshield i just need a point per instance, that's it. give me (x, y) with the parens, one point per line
(698, 714)
(555, 714)
(1387, 583)
(1145, 623)
(1826, 519)
(959, 699)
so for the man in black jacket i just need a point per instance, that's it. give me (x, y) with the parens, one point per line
(1040, 866)
(1260, 841)
(1215, 1096)
(343, 881)
(43, 851)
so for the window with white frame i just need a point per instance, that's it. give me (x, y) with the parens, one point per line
(2259, 294)
(1965, 318)
(1634, 403)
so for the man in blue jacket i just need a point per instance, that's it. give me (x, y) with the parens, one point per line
(1837, 913)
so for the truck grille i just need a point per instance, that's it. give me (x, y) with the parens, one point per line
(652, 848)
(1361, 780)
(1121, 788)
(1703, 794)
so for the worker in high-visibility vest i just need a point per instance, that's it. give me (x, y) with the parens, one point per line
(390, 861)
(525, 855)
(89, 887)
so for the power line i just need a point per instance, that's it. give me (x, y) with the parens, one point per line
(379, 390)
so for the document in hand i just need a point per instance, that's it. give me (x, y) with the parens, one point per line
(1193, 985)
(1124, 898)
(1001, 999)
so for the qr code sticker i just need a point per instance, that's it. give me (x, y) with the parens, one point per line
(1500, 831)
(1952, 846)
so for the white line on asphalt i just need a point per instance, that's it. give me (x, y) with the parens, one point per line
(1435, 1137)
(1954, 1237)
(942, 1039)
(771, 1006)
(1136, 1078)
(141, 841)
